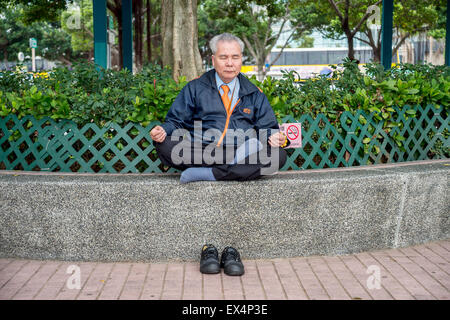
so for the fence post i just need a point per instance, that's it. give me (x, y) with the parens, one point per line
(99, 17)
(386, 33)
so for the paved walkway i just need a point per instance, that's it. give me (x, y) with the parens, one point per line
(419, 272)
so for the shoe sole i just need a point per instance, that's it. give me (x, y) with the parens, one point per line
(234, 270)
(233, 274)
(210, 269)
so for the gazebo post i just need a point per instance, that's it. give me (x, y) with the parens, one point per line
(100, 33)
(386, 33)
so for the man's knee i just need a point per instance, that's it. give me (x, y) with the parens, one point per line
(282, 158)
(164, 150)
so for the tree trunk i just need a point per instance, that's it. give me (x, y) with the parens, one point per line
(261, 69)
(180, 38)
(115, 7)
(351, 49)
(377, 54)
(149, 31)
(138, 34)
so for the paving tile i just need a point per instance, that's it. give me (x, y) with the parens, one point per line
(115, 282)
(173, 282)
(134, 284)
(72, 286)
(4, 263)
(431, 268)
(329, 281)
(417, 272)
(289, 280)
(212, 287)
(96, 282)
(308, 280)
(193, 285)
(155, 279)
(54, 284)
(361, 274)
(402, 276)
(270, 280)
(347, 279)
(386, 279)
(436, 289)
(10, 270)
(37, 281)
(232, 287)
(438, 249)
(433, 257)
(16, 280)
(251, 283)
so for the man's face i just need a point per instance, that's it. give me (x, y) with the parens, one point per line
(228, 60)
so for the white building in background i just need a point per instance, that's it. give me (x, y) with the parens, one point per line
(308, 62)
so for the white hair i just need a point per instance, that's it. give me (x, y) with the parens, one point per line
(224, 37)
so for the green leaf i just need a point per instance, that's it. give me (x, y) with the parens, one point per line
(366, 140)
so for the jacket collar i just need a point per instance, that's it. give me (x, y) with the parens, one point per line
(246, 87)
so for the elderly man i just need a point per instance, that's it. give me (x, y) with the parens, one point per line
(226, 130)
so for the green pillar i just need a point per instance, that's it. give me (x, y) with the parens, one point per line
(447, 37)
(386, 33)
(100, 34)
(127, 35)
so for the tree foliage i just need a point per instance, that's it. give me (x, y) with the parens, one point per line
(344, 19)
(53, 42)
(77, 21)
(38, 10)
(261, 23)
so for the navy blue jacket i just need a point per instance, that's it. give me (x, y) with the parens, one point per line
(200, 100)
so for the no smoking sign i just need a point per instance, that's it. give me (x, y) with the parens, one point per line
(293, 132)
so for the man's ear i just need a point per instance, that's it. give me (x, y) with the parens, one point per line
(212, 60)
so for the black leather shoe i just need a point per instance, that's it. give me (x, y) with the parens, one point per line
(209, 260)
(231, 262)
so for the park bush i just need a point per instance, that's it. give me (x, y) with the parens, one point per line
(88, 94)
(373, 90)
(349, 89)
(375, 97)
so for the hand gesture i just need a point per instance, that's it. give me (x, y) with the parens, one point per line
(158, 134)
(277, 140)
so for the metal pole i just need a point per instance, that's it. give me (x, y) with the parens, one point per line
(99, 15)
(386, 33)
(447, 37)
(127, 35)
(33, 59)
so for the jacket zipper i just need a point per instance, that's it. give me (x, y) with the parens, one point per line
(227, 123)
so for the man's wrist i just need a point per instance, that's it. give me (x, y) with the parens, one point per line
(285, 141)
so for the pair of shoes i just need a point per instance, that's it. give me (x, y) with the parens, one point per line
(230, 261)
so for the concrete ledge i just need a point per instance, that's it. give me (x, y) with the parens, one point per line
(151, 217)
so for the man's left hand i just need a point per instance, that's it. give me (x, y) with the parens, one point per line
(277, 139)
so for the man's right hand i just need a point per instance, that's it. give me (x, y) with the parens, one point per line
(158, 134)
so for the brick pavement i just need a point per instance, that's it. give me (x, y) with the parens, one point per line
(419, 272)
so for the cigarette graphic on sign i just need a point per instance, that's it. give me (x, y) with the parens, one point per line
(293, 132)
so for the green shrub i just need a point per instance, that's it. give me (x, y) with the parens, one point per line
(87, 94)
(90, 94)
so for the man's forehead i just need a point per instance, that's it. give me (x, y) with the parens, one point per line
(231, 47)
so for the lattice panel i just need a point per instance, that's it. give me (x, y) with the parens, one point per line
(30, 144)
(361, 140)
(49, 145)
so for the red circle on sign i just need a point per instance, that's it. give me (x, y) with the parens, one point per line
(292, 132)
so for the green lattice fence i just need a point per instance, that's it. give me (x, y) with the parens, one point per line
(359, 139)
